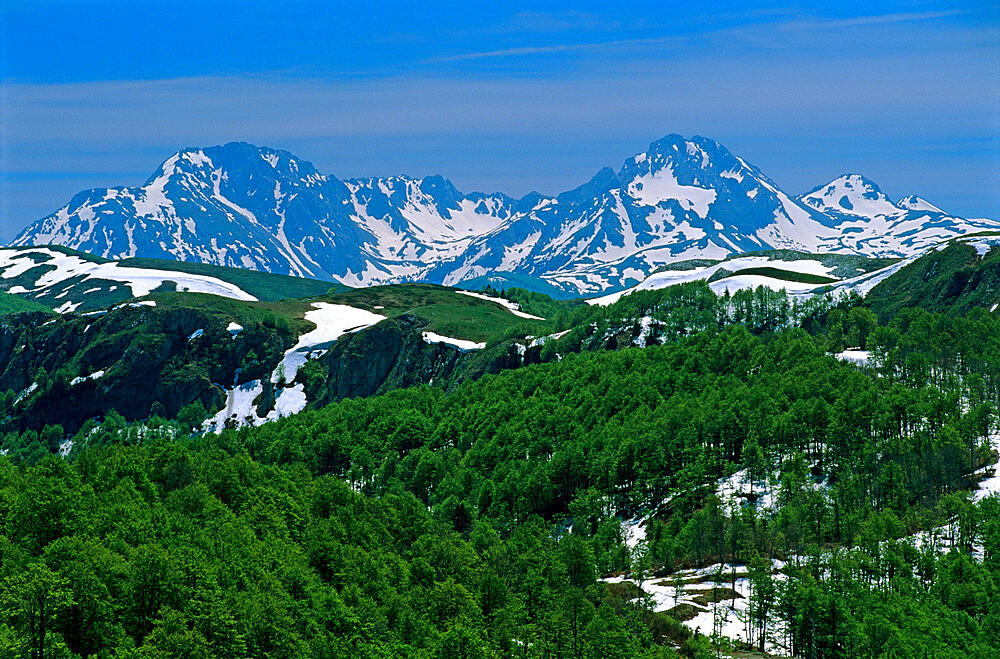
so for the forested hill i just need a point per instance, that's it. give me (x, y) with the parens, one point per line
(588, 502)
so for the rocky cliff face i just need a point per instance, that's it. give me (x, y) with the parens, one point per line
(137, 361)
(393, 355)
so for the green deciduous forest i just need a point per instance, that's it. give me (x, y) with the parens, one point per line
(484, 520)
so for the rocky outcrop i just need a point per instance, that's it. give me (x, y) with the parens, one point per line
(393, 355)
(135, 360)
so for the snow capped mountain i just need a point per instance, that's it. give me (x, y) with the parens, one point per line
(915, 203)
(851, 194)
(259, 208)
(869, 223)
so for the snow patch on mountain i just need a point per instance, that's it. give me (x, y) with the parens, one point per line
(461, 345)
(851, 194)
(254, 207)
(332, 321)
(512, 307)
(59, 267)
(666, 278)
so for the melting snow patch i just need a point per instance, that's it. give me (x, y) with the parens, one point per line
(234, 329)
(540, 341)
(136, 305)
(67, 307)
(332, 321)
(862, 357)
(689, 587)
(141, 281)
(738, 488)
(195, 334)
(982, 245)
(27, 392)
(635, 532)
(507, 304)
(461, 344)
(990, 485)
(93, 376)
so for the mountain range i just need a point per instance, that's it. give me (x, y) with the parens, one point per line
(241, 205)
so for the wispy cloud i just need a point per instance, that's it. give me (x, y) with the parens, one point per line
(803, 104)
(899, 17)
(557, 48)
(548, 22)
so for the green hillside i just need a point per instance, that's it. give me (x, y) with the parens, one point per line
(448, 311)
(15, 303)
(264, 286)
(954, 279)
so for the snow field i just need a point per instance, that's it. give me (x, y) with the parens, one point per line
(141, 281)
(736, 282)
(507, 304)
(332, 321)
(461, 344)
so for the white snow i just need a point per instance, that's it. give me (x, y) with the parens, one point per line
(990, 485)
(141, 281)
(854, 191)
(982, 245)
(461, 344)
(507, 304)
(650, 189)
(26, 392)
(915, 203)
(635, 533)
(67, 307)
(93, 376)
(195, 334)
(730, 613)
(135, 305)
(749, 282)
(856, 356)
(234, 329)
(738, 489)
(332, 321)
(733, 283)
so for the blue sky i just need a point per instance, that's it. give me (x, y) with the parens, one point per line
(510, 98)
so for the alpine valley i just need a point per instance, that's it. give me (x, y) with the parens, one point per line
(251, 410)
(244, 206)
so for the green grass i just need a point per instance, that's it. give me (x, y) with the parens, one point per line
(242, 312)
(264, 286)
(784, 275)
(448, 312)
(10, 303)
(950, 280)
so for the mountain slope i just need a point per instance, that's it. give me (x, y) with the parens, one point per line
(263, 209)
(954, 278)
(789, 270)
(67, 280)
